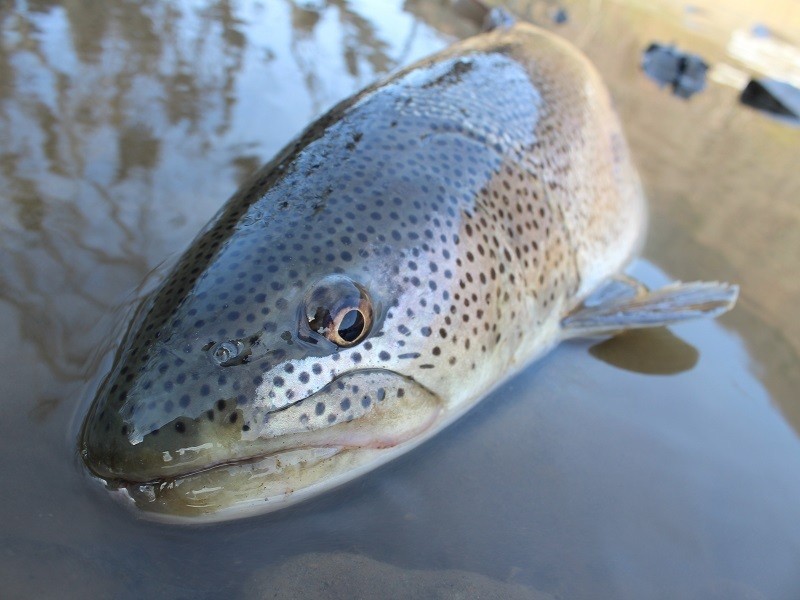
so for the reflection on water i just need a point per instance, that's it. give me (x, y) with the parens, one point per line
(125, 129)
(124, 126)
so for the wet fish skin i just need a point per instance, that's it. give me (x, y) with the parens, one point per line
(471, 201)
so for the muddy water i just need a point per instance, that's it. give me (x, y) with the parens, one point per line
(660, 465)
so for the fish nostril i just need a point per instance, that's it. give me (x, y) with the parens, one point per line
(232, 352)
(226, 351)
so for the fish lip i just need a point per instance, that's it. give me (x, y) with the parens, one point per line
(122, 483)
(119, 481)
(175, 501)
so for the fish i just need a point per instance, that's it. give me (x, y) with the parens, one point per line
(408, 252)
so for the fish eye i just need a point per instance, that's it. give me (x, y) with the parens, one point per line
(340, 310)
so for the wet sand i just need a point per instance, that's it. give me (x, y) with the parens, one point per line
(347, 576)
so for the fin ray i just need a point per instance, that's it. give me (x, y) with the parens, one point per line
(670, 304)
(618, 288)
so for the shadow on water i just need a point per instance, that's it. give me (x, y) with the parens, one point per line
(658, 464)
(648, 351)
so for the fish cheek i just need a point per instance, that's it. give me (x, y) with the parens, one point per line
(365, 408)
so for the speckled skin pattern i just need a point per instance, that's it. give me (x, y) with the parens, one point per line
(476, 197)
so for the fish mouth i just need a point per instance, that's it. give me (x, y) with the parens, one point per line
(288, 461)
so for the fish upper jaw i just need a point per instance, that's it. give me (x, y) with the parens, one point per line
(367, 408)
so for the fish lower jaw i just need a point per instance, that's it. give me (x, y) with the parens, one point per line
(254, 486)
(223, 476)
(285, 470)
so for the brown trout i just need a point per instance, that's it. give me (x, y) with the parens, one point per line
(409, 251)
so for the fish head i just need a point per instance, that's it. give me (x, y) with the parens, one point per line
(231, 373)
(285, 355)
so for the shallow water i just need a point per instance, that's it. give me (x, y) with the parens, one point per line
(660, 465)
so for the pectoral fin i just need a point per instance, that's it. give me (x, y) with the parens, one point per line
(624, 303)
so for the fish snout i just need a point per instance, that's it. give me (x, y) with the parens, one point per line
(115, 445)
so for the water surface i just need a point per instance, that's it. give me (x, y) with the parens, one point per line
(661, 465)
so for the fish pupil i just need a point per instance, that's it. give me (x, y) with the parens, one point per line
(351, 326)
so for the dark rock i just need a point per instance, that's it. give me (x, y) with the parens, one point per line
(559, 15)
(761, 31)
(683, 71)
(498, 18)
(772, 96)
